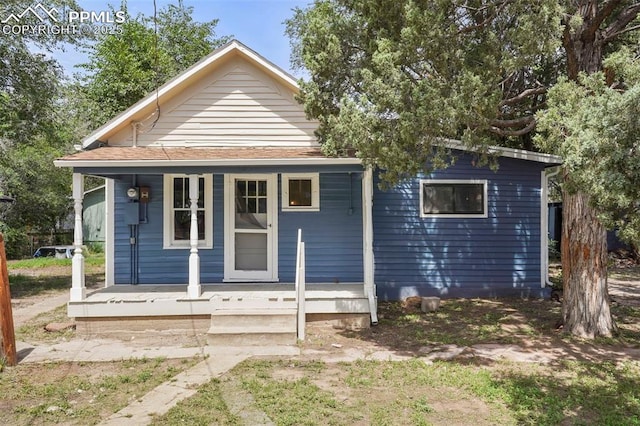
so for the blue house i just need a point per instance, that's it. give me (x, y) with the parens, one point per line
(210, 180)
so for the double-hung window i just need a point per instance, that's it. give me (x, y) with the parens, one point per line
(301, 192)
(453, 198)
(177, 211)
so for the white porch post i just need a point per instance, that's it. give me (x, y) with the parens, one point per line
(194, 288)
(367, 242)
(109, 233)
(78, 289)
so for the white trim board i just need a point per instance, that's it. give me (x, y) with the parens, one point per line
(109, 233)
(210, 163)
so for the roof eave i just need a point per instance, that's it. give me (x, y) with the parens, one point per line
(208, 163)
(520, 154)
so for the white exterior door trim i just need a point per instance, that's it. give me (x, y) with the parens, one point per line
(230, 272)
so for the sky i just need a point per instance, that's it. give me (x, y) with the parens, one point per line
(256, 23)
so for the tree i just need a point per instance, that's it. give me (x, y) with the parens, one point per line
(39, 188)
(125, 67)
(392, 79)
(28, 89)
(29, 81)
(595, 128)
(32, 129)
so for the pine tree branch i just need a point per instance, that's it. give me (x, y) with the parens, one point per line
(505, 128)
(485, 22)
(524, 94)
(513, 133)
(594, 24)
(618, 26)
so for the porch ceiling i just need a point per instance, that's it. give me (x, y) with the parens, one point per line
(155, 156)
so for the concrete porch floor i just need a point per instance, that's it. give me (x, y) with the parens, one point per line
(209, 291)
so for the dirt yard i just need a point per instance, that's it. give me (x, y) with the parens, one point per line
(480, 335)
(404, 329)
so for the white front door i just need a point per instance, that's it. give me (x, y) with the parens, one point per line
(251, 227)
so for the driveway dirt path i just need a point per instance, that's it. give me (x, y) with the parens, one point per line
(24, 310)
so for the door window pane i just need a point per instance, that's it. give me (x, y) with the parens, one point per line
(251, 207)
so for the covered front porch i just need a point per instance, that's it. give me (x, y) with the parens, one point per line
(195, 283)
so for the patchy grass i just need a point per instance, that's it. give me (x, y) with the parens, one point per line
(571, 393)
(48, 262)
(37, 263)
(44, 276)
(466, 322)
(292, 402)
(33, 330)
(24, 286)
(417, 393)
(462, 322)
(78, 393)
(207, 407)
(291, 392)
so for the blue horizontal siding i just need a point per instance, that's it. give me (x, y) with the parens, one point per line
(333, 236)
(155, 264)
(461, 257)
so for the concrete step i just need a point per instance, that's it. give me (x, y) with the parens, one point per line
(251, 327)
(251, 339)
(240, 303)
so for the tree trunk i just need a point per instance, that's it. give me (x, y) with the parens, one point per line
(585, 308)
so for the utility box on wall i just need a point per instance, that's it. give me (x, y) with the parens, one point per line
(145, 194)
(132, 213)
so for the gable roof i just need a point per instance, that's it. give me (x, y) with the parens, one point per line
(111, 156)
(182, 80)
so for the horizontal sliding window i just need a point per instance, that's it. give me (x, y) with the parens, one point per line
(453, 198)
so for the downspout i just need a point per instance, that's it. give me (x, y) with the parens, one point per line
(133, 229)
(544, 225)
(133, 241)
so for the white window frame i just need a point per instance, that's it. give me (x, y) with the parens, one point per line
(454, 182)
(168, 224)
(315, 192)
